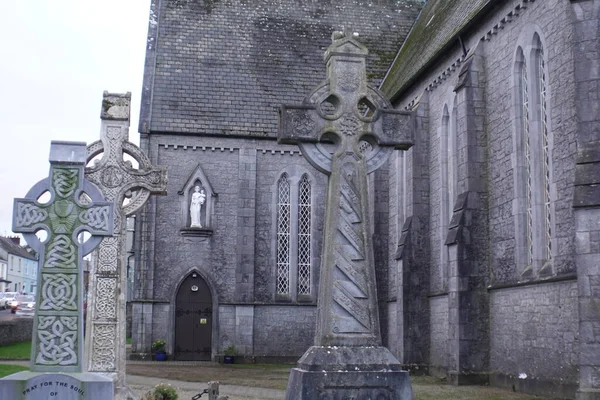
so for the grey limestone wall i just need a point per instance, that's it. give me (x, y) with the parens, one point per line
(497, 49)
(498, 57)
(272, 162)
(176, 255)
(236, 328)
(161, 325)
(391, 334)
(438, 357)
(534, 331)
(283, 330)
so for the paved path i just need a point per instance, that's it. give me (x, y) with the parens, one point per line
(141, 384)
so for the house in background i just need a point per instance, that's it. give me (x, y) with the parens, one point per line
(3, 274)
(21, 266)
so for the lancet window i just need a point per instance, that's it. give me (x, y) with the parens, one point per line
(533, 173)
(294, 236)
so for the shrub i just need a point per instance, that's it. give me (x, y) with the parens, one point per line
(231, 351)
(159, 346)
(161, 392)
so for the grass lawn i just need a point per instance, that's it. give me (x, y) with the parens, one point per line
(17, 351)
(10, 369)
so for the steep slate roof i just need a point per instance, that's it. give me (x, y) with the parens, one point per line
(438, 25)
(14, 249)
(224, 67)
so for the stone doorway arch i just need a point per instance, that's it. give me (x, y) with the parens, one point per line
(193, 319)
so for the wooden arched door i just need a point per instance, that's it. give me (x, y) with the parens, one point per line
(193, 320)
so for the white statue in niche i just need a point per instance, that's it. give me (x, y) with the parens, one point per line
(198, 198)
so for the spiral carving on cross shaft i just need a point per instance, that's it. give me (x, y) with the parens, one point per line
(350, 289)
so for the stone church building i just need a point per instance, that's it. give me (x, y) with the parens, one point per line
(486, 232)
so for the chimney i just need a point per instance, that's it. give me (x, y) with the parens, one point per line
(15, 239)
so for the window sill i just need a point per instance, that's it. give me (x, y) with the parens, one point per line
(202, 232)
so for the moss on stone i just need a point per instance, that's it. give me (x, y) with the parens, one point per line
(438, 24)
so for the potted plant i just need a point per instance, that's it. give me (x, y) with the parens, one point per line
(230, 353)
(161, 392)
(158, 347)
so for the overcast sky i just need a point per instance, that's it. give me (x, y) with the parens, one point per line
(56, 59)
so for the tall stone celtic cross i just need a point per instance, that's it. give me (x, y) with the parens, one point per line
(75, 206)
(364, 130)
(129, 188)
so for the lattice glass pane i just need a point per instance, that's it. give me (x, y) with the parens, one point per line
(283, 235)
(526, 140)
(545, 155)
(304, 248)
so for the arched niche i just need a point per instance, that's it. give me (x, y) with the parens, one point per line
(197, 183)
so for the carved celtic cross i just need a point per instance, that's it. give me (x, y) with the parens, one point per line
(75, 206)
(118, 180)
(364, 130)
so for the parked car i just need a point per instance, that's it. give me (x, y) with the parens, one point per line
(9, 296)
(3, 301)
(20, 299)
(26, 309)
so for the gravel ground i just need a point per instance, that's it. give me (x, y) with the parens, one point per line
(268, 382)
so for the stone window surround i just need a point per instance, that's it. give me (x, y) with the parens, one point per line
(529, 48)
(294, 174)
(448, 132)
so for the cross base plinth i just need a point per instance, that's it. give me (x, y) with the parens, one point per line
(28, 385)
(332, 373)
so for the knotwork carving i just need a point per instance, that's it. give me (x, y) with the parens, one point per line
(62, 253)
(57, 338)
(348, 81)
(119, 181)
(105, 298)
(96, 217)
(29, 214)
(59, 292)
(349, 126)
(302, 122)
(103, 354)
(113, 133)
(56, 342)
(112, 176)
(65, 181)
(107, 255)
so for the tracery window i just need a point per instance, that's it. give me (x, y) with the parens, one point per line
(294, 236)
